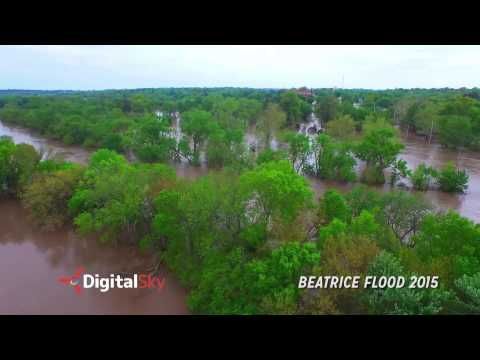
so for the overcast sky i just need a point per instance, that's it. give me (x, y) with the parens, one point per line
(117, 67)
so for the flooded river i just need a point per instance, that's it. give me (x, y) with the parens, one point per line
(417, 151)
(31, 262)
(47, 147)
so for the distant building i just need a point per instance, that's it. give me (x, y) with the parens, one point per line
(304, 91)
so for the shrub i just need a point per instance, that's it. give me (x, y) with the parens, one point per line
(452, 179)
(422, 177)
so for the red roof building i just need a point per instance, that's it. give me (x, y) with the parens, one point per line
(303, 91)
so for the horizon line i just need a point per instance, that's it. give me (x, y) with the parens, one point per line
(244, 87)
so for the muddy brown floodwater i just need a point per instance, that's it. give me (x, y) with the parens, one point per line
(48, 147)
(31, 261)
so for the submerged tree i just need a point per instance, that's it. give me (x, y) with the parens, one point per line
(452, 179)
(422, 177)
(197, 124)
(379, 149)
(342, 127)
(291, 103)
(333, 160)
(46, 198)
(17, 165)
(326, 108)
(298, 149)
(270, 121)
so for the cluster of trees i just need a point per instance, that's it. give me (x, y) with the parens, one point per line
(240, 238)
(108, 119)
(17, 163)
(455, 121)
(142, 122)
(450, 116)
(124, 120)
(448, 178)
(395, 234)
(333, 155)
(90, 117)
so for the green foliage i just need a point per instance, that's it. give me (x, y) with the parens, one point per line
(273, 281)
(426, 119)
(422, 177)
(17, 164)
(271, 120)
(8, 176)
(401, 301)
(379, 148)
(455, 131)
(151, 140)
(346, 253)
(198, 125)
(102, 118)
(51, 165)
(451, 240)
(335, 229)
(184, 220)
(452, 179)
(46, 198)
(269, 155)
(403, 213)
(333, 160)
(291, 103)
(362, 198)
(365, 224)
(235, 238)
(114, 199)
(235, 285)
(468, 294)
(221, 289)
(275, 189)
(226, 148)
(342, 127)
(327, 107)
(399, 212)
(399, 170)
(334, 205)
(298, 149)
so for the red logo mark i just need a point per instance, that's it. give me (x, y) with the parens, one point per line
(73, 280)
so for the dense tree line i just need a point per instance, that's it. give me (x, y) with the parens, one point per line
(100, 118)
(214, 123)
